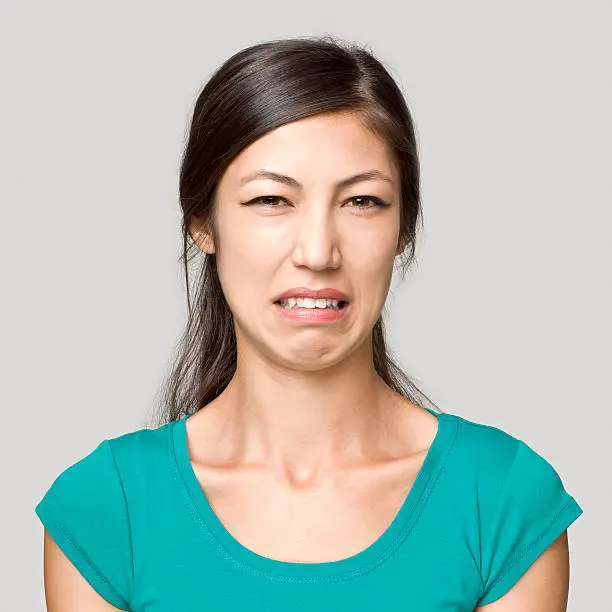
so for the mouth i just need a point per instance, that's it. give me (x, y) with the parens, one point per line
(342, 304)
(334, 311)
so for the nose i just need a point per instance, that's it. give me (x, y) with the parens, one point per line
(316, 240)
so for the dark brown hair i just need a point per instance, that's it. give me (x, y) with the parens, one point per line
(257, 90)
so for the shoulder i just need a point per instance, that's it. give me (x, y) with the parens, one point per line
(507, 481)
(490, 449)
(100, 475)
(483, 447)
(143, 463)
(476, 455)
(497, 463)
(141, 445)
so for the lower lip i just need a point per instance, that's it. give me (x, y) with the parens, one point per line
(312, 315)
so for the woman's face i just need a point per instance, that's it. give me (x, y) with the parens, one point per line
(307, 234)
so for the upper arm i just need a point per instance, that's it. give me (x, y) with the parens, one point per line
(544, 587)
(66, 590)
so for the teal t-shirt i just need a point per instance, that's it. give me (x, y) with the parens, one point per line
(134, 520)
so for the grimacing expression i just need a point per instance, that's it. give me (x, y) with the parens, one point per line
(308, 231)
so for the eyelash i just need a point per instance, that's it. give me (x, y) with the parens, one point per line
(377, 202)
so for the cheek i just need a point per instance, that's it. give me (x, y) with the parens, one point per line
(373, 269)
(375, 253)
(246, 265)
(248, 234)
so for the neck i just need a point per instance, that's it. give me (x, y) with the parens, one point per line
(304, 425)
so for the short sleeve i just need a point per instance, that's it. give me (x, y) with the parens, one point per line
(532, 511)
(85, 512)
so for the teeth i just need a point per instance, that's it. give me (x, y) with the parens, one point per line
(308, 303)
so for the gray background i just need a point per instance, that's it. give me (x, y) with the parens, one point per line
(505, 320)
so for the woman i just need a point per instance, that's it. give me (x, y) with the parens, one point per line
(294, 466)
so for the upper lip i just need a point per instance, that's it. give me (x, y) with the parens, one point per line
(327, 292)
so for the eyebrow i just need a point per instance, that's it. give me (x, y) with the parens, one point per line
(367, 175)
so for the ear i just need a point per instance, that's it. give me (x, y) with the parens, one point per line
(400, 247)
(202, 236)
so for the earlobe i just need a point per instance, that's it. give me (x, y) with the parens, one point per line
(400, 247)
(202, 239)
(206, 244)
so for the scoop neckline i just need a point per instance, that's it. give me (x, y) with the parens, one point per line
(365, 560)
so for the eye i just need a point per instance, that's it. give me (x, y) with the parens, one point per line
(376, 202)
(266, 202)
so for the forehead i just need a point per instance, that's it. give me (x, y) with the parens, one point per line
(319, 149)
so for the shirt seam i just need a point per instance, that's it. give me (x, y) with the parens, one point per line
(497, 510)
(366, 569)
(520, 556)
(127, 512)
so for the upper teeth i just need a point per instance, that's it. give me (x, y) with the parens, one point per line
(309, 303)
